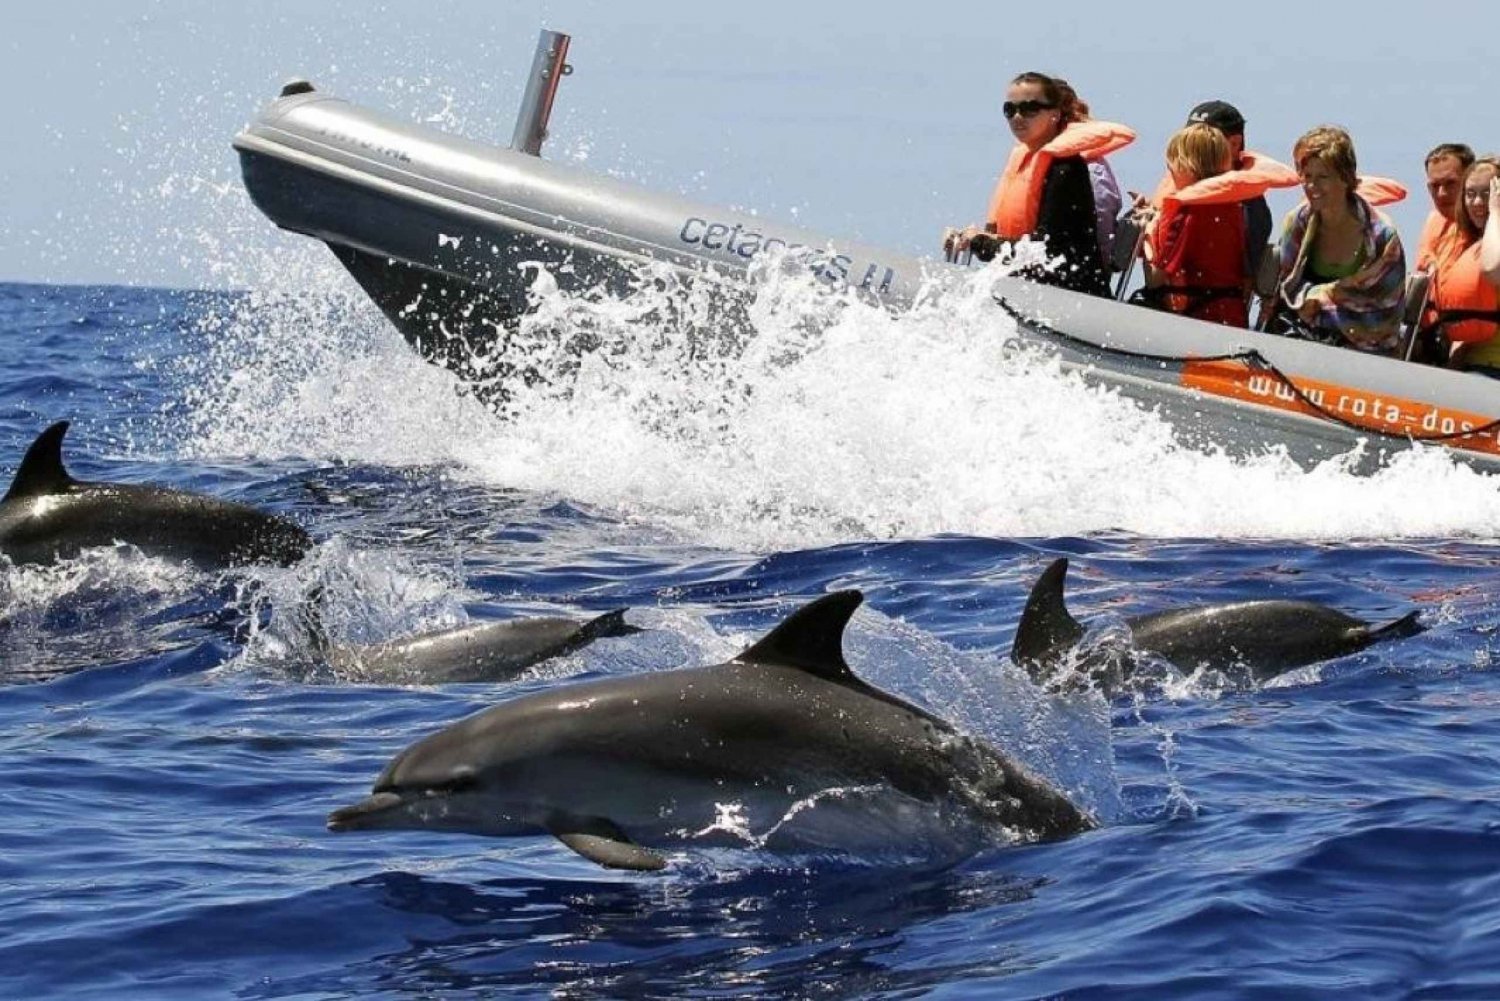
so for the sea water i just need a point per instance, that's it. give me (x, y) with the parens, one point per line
(172, 743)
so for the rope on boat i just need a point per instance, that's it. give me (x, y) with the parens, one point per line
(1251, 358)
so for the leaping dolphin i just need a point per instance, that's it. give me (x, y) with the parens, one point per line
(1261, 639)
(47, 515)
(485, 651)
(612, 766)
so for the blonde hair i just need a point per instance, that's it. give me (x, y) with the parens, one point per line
(1331, 146)
(1466, 225)
(1200, 150)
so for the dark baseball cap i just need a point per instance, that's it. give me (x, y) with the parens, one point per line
(1220, 114)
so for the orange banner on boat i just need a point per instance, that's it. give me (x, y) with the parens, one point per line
(1374, 412)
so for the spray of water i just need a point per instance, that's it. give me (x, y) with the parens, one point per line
(129, 603)
(830, 419)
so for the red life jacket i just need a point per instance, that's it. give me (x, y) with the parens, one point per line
(1016, 201)
(1198, 240)
(1200, 246)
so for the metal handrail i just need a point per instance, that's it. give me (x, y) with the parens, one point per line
(548, 67)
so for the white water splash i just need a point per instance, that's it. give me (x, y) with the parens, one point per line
(836, 420)
(57, 618)
(344, 595)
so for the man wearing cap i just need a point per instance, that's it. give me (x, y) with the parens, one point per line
(1227, 119)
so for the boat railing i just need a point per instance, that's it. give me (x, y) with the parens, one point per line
(1418, 293)
(548, 67)
(1130, 241)
(955, 251)
(1267, 285)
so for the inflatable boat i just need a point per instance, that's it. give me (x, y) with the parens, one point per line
(445, 233)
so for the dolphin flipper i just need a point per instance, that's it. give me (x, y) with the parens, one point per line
(1046, 629)
(601, 841)
(41, 471)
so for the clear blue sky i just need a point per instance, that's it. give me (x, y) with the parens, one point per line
(878, 120)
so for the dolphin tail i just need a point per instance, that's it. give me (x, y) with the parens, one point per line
(609, 624)
(1409, 624)
(1046, 630)
(41, 471)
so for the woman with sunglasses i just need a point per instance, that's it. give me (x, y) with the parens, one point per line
(1046, 191)
(1343, 269)
(1467, 299)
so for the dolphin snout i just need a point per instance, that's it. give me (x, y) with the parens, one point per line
(366, 813)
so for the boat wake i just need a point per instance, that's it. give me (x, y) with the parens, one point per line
(829, 419)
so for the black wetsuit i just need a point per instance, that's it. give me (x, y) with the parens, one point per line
(1067, 225)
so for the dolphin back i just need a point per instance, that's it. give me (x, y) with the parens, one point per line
(1264, 638)
(480, 652)
(48, 515)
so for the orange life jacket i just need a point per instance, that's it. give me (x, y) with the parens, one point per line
(1380, 190)
(1441, 242)
(1254, 177)
(1464, 287)
(1221, 189)
(1441, 245)
(1276, 173)
(1255, 174)
(1017, 199)
(1375, 190)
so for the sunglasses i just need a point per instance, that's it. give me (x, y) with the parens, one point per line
(1024, 108)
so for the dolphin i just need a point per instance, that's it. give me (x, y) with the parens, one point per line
(47, 515)
(485, 651)
(1254, 639)
(615, 767)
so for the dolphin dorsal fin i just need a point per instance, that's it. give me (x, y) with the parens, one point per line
(41, 471)
(1046, 628)
(811, 638)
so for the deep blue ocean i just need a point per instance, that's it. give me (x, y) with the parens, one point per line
(170, 748)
